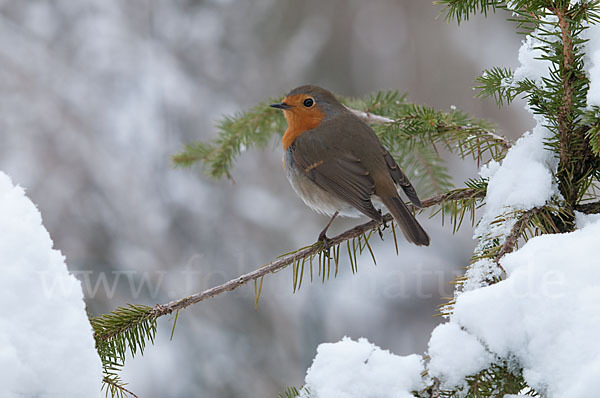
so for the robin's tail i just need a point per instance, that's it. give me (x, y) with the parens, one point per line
(412, 230)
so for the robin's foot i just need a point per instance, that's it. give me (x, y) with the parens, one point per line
(325, 240)
(384, 223)
(323, 235)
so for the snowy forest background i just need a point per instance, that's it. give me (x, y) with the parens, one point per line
(97, 95)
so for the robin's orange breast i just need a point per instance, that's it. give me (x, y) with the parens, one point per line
(299, 119)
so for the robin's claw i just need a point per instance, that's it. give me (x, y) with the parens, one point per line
(326, 242)
(323, 235)
(384, 223)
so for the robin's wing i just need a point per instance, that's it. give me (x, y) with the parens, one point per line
(401, 179)
(367, 147)
(339, 174)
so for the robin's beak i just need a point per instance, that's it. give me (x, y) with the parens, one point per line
(281, 105)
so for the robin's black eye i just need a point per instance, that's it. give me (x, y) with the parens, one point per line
(308, 102)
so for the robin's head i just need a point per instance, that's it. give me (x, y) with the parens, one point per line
(309, 103)
(305, 107)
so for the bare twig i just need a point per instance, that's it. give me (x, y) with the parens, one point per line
(160, 310)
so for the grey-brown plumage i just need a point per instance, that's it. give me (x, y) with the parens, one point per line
(340, 165)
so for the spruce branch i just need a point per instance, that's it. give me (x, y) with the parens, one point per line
(459, 202)
(500, 84)
(125, 329)
(237, 133)
(292, 392)
(108, 328)
(372, 118)
(455, 131)
(441, 124)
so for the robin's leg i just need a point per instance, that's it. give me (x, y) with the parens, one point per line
(323, 235)
(381, 229)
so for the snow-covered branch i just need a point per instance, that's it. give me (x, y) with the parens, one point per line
(513, 237)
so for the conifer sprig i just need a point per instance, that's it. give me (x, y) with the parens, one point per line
(454, 131)
(236, 134)
(126, 329)
(499, 83)
(462, 201)
(461, 10)
(292, 392)
(498, 380)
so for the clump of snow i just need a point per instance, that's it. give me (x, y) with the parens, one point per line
(543, 315)
(489, 169)
(532, 67)
(480, 273)
(359, 369)
(583, 220)
(46, 343)
(524, 179)
(451, 363)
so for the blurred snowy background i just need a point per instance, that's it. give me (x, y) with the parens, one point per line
(98, 94)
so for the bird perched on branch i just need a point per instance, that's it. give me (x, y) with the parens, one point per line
(337, 164)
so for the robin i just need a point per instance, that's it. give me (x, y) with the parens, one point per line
(337, 165)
